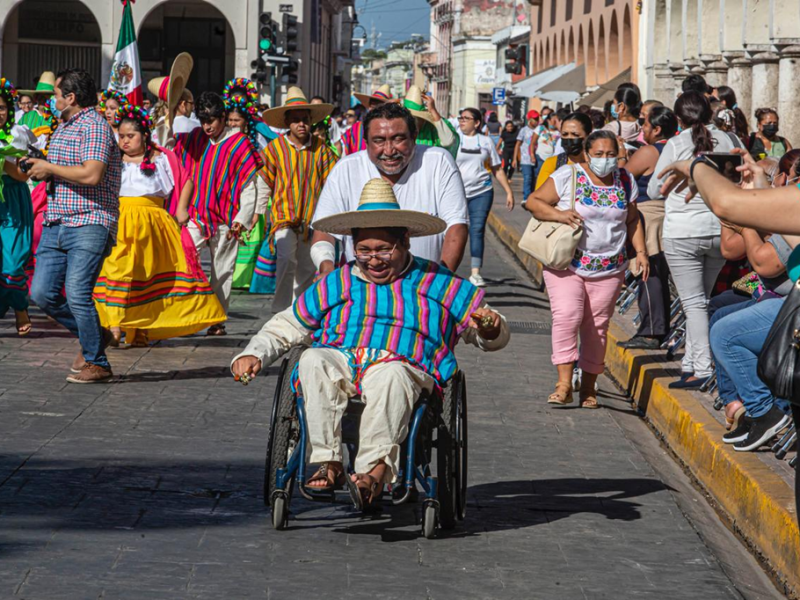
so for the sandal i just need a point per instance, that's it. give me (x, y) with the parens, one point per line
(370, 490)
(140, 339)
(732, 423)
(589, 402)
(562, 394)
(217, 330)
(23, 326)
(323, 474)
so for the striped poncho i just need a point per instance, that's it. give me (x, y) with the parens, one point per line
(419, 317)
(220, 172)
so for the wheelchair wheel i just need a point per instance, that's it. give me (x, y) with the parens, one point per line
(451, 453)
(283, 426)
(429, 520)
(280, 512)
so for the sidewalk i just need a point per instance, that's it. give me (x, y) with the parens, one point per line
(753, 491)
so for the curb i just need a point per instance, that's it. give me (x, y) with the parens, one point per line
(758, 502)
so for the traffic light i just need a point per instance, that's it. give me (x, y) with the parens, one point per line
(513, 61)
(290, 33)
(260, 72)
(267, 38)
(289, 72)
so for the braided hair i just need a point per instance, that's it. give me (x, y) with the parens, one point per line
(9, 93)
(241, 84)
(141, 121)
(107, 95)
(52, 123)
(249, 110)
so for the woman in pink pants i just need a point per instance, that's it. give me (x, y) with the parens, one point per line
(582, 297)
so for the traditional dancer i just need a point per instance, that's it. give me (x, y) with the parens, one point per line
(110, 102)
(223, 167)
(148, 286)
(175, 107)
(297, 165)
(45, 88)
(432, 129)
(16, 213)
(353, 139)
(246, 90)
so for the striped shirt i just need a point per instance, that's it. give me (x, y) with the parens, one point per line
(353, 139)
(419, 317)
(296, 176)
(220, 172)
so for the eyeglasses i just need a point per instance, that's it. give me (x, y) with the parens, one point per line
(384, 255)
(25, 104)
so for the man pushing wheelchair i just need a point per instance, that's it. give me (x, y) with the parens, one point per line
(384, 327)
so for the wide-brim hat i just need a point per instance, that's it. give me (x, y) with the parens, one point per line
(413, 102)
(46, 85)
(382, 94)
(295, 100)
(378, 209)
(170, 89)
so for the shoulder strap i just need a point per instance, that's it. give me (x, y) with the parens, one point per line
(619, 128)
(574, 185)
(625, 177)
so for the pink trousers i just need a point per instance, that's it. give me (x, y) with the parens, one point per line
(581, 306)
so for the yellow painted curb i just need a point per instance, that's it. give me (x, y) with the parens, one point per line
(758, 502)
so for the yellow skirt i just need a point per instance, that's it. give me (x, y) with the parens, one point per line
(146, 282)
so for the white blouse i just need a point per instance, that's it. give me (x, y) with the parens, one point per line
(136, 183)
(21, 138)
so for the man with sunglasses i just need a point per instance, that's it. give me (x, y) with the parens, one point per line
(363, 345)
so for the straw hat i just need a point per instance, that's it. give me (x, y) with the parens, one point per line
(413, 102)
(295, 100)
(382, 94)
(377, 209)
(170, 89)
(46, 85)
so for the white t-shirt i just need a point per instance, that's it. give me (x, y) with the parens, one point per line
(432, 186)
(601, 250)
(474, 154)
(525, 134)
(183, 124)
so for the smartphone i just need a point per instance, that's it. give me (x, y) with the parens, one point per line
(726, 164)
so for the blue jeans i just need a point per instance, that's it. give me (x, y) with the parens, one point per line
(528, 180)
(71, 258)
(737, 338)
(479, 207)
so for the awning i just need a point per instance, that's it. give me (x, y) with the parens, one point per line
(606, 92)
(567, 88)
(531, 87)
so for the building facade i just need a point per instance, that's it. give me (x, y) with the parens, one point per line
(751, 45)
(221, 35)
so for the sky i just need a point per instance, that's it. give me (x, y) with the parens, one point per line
(396, 20)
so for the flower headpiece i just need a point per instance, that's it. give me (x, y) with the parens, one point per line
(52, 123)
(107, 95)
(139, 115)
(250, 111)
(240, 83)
(9, 94)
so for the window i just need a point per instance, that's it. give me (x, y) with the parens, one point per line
(587, 6)
(541, 18)
(553, 9)
(609, 2)
(568, 12)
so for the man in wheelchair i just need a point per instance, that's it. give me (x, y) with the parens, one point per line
(383, 327)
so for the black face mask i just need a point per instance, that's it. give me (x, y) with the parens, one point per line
(640, 120)
(770, 130)
(572, 146)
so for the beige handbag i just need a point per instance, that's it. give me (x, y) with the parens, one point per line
(552, 244)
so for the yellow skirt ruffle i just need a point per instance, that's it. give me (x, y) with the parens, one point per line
(146, 282)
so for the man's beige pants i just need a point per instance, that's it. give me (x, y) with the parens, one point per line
(294, 271)
(223, 259)
(389, 392)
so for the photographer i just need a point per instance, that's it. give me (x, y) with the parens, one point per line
(80, 223)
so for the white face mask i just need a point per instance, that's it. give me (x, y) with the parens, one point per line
(602, 166)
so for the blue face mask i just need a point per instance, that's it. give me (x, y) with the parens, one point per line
(52, 104)
(614, 112)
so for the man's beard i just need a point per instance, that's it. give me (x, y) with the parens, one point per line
(404, 163)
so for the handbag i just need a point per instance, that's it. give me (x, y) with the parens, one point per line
(552, 244)
(777, 363)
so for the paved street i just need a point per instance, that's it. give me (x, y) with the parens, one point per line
(150, 487)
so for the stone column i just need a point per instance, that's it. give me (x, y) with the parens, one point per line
(664, 88)
(788, 93)
(716, 70)
(765, 82)
(678, 73)
(740, 78)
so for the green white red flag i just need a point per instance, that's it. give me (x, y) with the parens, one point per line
(126, 73)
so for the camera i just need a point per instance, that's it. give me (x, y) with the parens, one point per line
(33, 152)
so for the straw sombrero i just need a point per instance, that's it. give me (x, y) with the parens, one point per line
(377, 209)
(413, 102)
(170, 89)
(382, 94)
(46, 85)
(295, 100)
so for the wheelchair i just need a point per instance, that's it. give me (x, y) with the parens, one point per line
(437, 431)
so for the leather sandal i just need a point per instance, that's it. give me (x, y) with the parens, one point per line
(371, 490)
(589, 402)
(323, 474)
(562, 394)
(24, 326)
(732, 423)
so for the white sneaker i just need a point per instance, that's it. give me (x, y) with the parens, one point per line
(477, 281)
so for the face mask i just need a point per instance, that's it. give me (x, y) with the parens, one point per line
(614, 112)
(603, 166)
(52, 104)
(640, 120)
(770, 130)
(572, 146)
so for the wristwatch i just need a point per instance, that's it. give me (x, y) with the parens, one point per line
(704, 160)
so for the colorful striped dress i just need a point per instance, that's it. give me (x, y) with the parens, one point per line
(220, 172)
(418, 318)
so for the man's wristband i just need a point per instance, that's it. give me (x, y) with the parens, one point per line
(701, 160)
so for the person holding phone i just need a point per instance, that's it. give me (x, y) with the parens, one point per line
(691, 236)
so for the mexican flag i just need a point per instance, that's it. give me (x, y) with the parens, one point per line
(126, 74)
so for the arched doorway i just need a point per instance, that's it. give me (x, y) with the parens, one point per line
(189, 26)
(50, 35)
